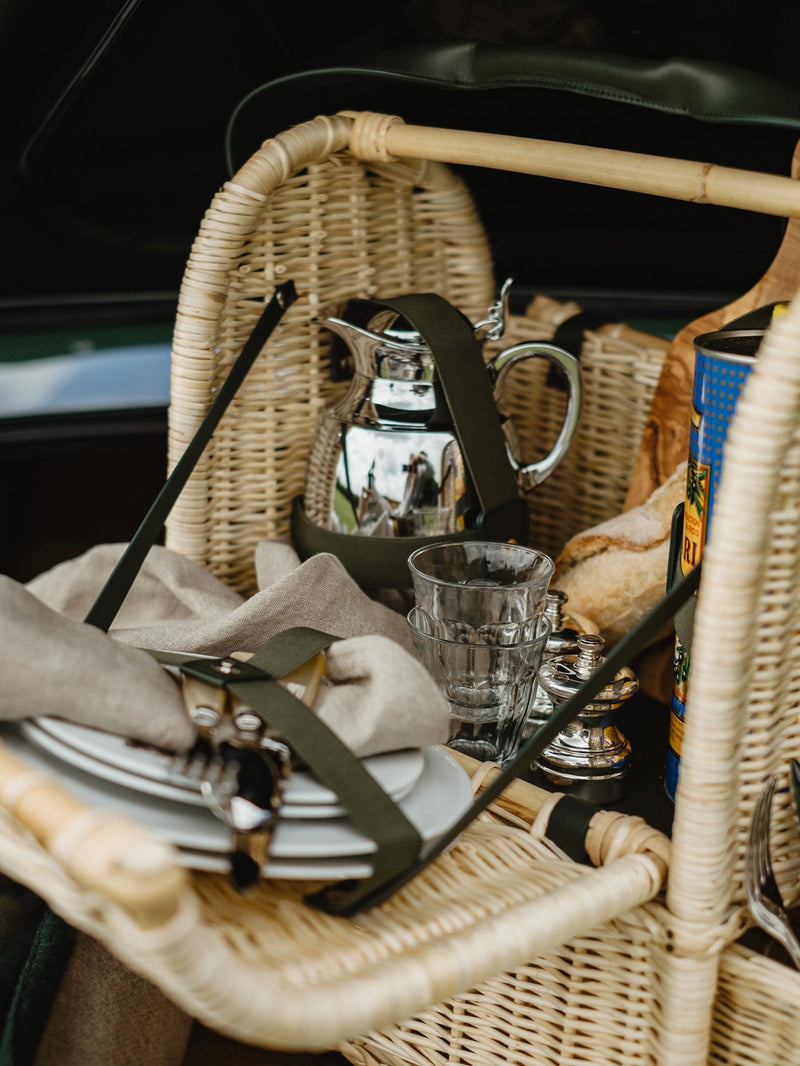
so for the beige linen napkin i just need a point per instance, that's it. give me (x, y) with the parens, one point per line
(377, 696)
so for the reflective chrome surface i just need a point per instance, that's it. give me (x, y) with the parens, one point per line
(563, 640)
(590, 757)
(385, 460)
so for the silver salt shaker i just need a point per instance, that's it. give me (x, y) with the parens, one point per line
(563, 639)
(590, 757)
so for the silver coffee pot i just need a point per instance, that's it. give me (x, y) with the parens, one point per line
(385, 460)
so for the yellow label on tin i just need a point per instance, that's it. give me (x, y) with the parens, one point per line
(695, 513)
(675, 733)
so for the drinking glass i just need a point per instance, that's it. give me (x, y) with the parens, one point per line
(480, 592)
(488, 687)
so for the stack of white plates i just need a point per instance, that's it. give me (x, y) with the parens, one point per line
(314, 837)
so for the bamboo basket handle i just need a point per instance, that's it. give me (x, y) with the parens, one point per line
(609, 833)
(100, 852)
(386, 137)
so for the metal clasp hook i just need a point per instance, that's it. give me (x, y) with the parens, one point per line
(493, 326)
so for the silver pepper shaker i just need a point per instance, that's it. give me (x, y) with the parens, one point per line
(563, 639)
(590, 757)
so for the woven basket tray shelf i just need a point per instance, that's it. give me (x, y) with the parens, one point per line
(268, 969)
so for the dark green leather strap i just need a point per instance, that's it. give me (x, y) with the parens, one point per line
(381, 562)
(397, 841)
(399, 854)
(255, 682)
(373, 562)
(568, 824)
(465, 381)
(569, 335)
(106, 607)
(284, 652)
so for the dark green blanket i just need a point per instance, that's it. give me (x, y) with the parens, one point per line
(35, 947)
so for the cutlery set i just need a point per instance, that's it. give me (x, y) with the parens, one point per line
(763, 895)
(242, 771)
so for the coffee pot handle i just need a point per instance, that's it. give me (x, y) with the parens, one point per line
(535, 473)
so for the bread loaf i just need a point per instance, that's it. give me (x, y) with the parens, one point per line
(617, 570)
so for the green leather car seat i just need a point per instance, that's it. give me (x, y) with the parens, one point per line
(559, 235)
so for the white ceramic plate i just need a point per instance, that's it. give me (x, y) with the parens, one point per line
(442, 793)
(164, 790)
(147, 769)
(284, 869)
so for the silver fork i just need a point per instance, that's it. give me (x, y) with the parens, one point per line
(205, 707)
(251, 805)
(763, 895)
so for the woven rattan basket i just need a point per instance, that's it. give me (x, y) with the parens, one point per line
(504, 950)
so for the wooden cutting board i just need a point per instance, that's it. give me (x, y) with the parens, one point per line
(665, 442)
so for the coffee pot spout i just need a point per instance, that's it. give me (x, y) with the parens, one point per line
(379, 349)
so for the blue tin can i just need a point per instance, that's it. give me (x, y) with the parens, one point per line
(723, 361)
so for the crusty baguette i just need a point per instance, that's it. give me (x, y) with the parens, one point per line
(616, 571)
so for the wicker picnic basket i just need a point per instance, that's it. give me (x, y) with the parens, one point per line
(504, 949)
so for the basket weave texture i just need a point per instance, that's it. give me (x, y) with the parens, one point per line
(717, 1001)
(268, 969)
(305, 208)
(301, 209)
(742, 720)
(742, 723)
